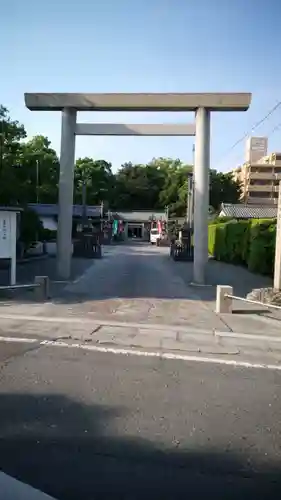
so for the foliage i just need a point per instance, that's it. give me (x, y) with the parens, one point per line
(48, 234)
(262, 246)
(31, 227)
(98, 178)
(221, 220)
(11, 133)
(246, 242)
(223, 189)
(39, 171)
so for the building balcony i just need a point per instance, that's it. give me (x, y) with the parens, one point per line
(261, 165)
(266, 188)
(270, 176)
(254, 200)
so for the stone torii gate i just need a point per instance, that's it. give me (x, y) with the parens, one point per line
(202, 104)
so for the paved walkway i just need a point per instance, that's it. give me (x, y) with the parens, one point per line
(141, 284)
(136, 283)
(137, 297)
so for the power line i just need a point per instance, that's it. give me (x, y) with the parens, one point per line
(256, 125)
(277, 127)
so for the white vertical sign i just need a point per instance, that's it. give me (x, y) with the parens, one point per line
(277, 266)
(8, 240)
(5, 235)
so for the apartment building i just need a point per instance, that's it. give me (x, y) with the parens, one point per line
(260, 175)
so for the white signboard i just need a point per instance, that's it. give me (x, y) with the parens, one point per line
(5, 235)
(8, 239)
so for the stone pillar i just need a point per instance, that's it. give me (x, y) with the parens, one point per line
(223, 303)
(201, 194)
(42, 288)
(67, 158)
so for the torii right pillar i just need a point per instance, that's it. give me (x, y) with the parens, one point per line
(201, 194)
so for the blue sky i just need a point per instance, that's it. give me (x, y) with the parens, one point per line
(144, 46)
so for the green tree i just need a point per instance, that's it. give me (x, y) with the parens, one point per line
(136, 187)
(151, 186)
(99, 180)
(11, 134)
(223, 189)
(174, 192)
(39, 171)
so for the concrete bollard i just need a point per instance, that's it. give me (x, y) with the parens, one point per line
(223, 303)
(42, 290)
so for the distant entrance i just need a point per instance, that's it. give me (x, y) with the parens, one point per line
(135, 231)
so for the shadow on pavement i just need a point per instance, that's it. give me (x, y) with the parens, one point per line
(73, 451)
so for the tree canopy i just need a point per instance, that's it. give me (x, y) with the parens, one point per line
(29, 172)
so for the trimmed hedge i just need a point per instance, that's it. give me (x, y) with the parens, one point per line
(245, 242)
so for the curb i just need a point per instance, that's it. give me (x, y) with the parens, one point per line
(33, 259)
(142, 326)
(98, 322)
(248, 336)
(12, 489)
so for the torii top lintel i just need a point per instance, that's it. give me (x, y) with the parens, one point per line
(138, 102)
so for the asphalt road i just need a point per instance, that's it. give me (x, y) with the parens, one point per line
(82, 425)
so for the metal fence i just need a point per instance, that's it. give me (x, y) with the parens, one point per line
(257, 302)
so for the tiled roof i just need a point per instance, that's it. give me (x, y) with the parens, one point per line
(140, 215)
(10, 209)
(52, 210)
(240, 211)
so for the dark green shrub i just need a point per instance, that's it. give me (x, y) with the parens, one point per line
(220, 220)
(246, 242)
(212, 239)
(48, 235)
(30, 227)
(262, 246)
(236, 241)
(220, 242)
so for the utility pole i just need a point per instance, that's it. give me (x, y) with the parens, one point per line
(84, 204)
(277, 266)
(193, 155)
(189, 206)
(190, 192)
(102, 215)
(2, 144)
(37, 181)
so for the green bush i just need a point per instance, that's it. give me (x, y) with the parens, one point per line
(245, 242)
(236, 241)
(220, 220)
(30, 227)
(212, 239)
(262, 246)
(48, 235)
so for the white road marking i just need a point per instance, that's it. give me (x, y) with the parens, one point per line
(249, 336)
(17, 339)
(150, 354)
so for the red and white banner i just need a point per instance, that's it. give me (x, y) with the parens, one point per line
(159, 226)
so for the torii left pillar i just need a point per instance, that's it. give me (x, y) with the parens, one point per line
(66, 181)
